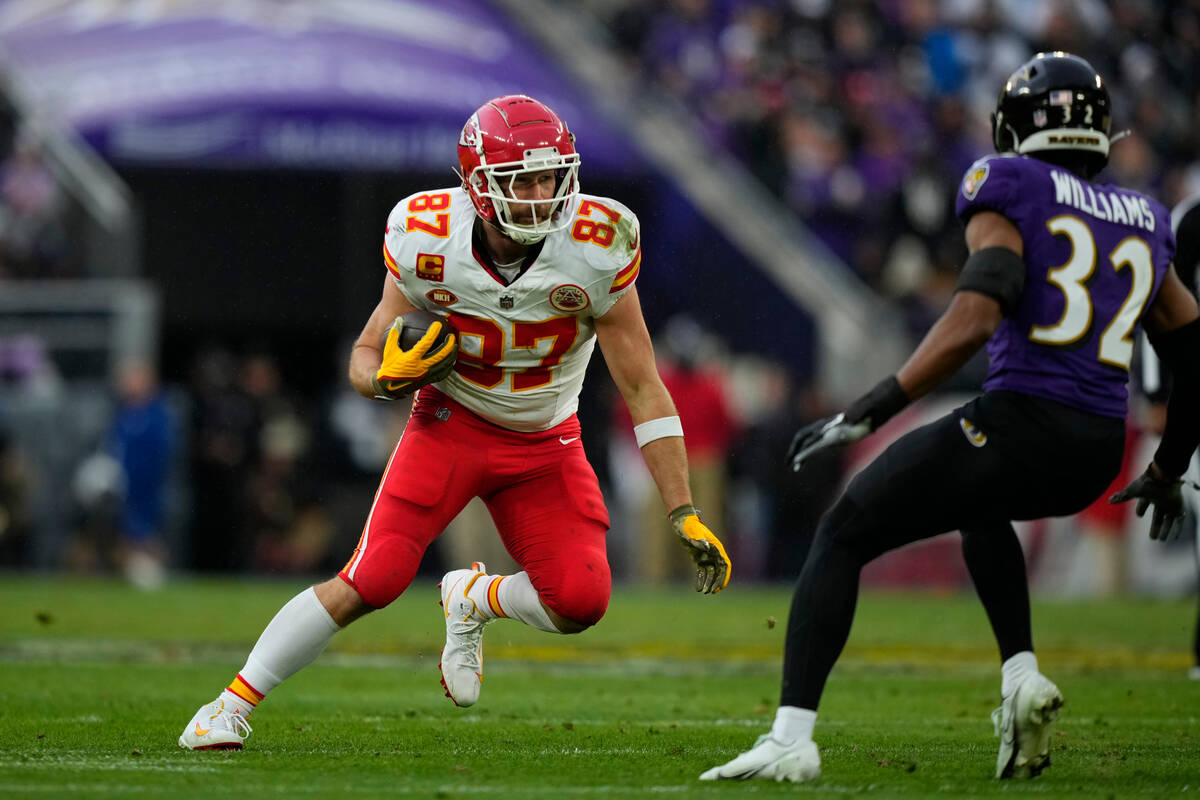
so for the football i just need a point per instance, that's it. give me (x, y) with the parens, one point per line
(415, 324)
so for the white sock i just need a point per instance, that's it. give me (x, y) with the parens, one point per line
(511, 596)
(237, 703)
(793, 724)
(1015, 670)
(296, 636)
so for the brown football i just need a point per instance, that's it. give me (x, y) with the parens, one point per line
(414, 325)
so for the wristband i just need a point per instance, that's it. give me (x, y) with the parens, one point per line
(659, 428)
(879, 405)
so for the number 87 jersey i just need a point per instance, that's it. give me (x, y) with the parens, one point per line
(525, 345)
(1095, 257)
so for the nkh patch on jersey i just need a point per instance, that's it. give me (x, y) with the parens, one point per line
(443, 297)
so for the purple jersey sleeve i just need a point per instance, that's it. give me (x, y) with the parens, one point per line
(989, 184)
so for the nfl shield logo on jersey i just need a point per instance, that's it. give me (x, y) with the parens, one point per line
(506, 301)
(569, 297)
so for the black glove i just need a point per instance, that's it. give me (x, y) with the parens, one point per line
(822, 435)
(863, 416)
(1167, 496)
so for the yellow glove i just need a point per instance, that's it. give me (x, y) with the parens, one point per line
(404, 371)
(713, 566)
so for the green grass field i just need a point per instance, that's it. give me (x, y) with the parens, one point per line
(97, 680)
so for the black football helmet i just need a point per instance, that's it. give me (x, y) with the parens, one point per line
(1055, 107)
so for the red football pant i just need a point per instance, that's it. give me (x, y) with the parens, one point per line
(539, 487)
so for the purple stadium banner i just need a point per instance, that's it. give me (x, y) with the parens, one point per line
(335, 84)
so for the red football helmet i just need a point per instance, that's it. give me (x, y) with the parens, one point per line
(509, 136)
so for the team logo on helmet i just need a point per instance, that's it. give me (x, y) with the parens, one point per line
(973, 182)
(443, 297)
(569, 297)
(470, 132)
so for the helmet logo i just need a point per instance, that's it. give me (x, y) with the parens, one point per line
(1039, 117)
(470, 132)
(569, 297)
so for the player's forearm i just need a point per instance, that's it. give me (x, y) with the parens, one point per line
(666, 459)
(955, 337)
(364, 363)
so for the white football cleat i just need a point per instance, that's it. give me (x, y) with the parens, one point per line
(215, 728)
(771, 759)
(1023, 723)
(462, 656)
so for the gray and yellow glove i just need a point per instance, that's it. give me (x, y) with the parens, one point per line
(713, 566)
(402, 372)
(1164, 493)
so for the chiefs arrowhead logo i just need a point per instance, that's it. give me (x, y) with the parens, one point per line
(470, 132)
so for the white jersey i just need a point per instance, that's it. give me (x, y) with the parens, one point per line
(524, 347)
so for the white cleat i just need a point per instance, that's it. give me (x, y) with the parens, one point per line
(771, 759)
(1023, 723)
(215, 728)
(462, 656)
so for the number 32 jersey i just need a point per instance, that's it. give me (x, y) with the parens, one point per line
(1095, 257)
(524, 347)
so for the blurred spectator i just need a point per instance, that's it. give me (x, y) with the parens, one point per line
(33, 241)
(120, 489)
(863, 116)
(774, 510)
(287, 524)
(14, 503)
(224, 448)
(142, 442)
(698, 389)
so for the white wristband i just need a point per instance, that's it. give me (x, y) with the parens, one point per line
(659, 428)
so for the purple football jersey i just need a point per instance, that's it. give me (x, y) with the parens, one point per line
(1095, 257)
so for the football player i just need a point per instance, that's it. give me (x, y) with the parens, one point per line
(1061, 273)
(530, 274)
(1156, 382)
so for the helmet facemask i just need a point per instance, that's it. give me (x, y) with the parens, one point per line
(493, 183)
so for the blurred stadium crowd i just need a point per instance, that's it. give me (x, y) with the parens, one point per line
(864, 115)
(860, 116)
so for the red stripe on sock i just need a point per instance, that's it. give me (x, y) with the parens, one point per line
(493, 597)
(241, 687)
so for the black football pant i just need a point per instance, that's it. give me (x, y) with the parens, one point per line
(1003, 456)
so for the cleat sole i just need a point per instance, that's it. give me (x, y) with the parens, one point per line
(223, 746)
